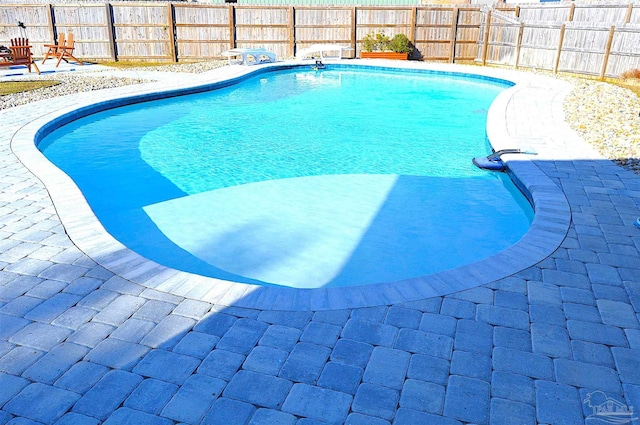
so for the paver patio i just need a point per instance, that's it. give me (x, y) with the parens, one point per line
(82, 345)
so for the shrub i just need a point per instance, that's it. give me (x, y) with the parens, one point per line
(400, 44)
(377, 42)
(634, 73)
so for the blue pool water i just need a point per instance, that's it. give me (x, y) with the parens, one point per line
(300, 178)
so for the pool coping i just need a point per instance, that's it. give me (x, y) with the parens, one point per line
(548, 229)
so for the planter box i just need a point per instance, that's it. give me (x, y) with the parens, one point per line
(384, 55)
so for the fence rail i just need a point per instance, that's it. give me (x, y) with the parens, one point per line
(598, 39)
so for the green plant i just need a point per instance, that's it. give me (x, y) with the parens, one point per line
(375, 42)
(400, 44)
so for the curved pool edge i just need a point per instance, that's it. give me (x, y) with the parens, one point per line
(547, 231)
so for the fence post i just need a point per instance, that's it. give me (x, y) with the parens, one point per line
(354, 30)
(559, 51)
(171, 25)
(232, 26)
(627, 19)
(412, 24)
(412, 28)
(485, 37)
(607, 51)
(108, 14)
(453, 35)
(519, 44)
(51, 23)
(572, 10)
(292, 31)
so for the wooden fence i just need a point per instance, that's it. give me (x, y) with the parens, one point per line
(188, 32)
(597, 39)
(600, 40)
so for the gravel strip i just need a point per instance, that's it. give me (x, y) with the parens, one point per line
(608, 117)
(605, 115)
(71, 82)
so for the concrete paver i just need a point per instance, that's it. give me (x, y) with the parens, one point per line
(434, 323)
(428, 368)
(581, 312)
(550, 340)
(81, 377)
(423, 396)
(83, 341)
(419, 342)
(512, 338)
(103, 399)
(321, 334)
(167, 366)
(458, 308)
(406, 318)
(228, 411)
(168, 332)
(192, 400)
(557, 403)
(473, 336)
(627, 364)
(513, 387)
(467, 399)
(117, 354)
(472, 365)
(10, 386)
(259, 389)
(57, 361)
(53, 307)
(341, 377)
(42, 403)
(585, 375)
(305, 363)
(40, 336)
(352, 352)
(387, 367)
(370, 332)
(266, 360)
(376, 400)
(503, 412)
(272, 417)
(221, 364)
(501, 316)
(242, 336)
(522, 363)
(595, 332)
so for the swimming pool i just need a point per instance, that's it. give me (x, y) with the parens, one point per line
(276, 223)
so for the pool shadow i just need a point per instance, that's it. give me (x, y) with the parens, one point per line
(343, 230)
(429, 224)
